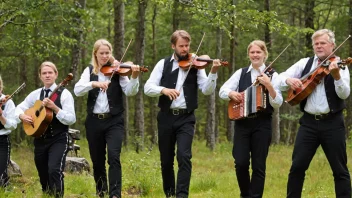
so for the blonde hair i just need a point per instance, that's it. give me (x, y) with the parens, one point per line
(47, 64)
(321, 33)
(180, 34)
(1, 84)
(96, 47)
(261, 45)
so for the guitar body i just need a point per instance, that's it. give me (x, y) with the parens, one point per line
(41, 116)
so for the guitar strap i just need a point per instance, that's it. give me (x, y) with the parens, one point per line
(54, 96)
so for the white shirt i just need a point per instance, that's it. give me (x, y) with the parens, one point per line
(9, 114)
(84, 85)
(317, 102)
(232, 85)
(152, 87)
(66, 114)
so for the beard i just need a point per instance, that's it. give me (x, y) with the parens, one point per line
(180, 57)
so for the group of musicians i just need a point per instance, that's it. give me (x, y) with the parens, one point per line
(177, 88)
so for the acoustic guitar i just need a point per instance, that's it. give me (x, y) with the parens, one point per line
(41, 115)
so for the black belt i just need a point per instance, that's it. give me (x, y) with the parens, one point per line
(102, 115)
(319, 116)
(178, 111)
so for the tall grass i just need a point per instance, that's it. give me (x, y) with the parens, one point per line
(213, 174)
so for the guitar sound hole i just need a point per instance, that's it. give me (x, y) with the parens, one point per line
(37, 113)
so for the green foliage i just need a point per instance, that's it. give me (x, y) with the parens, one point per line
(213, 174)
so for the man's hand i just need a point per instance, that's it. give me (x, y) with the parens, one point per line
(171, 93)
(26, 118)
(51, 105)
(334, 70)
(294, 83)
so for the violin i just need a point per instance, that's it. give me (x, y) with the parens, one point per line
(312, 79)
(125, 69)
(199, 62)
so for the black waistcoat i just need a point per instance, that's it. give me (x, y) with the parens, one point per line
(190, 87)
(336, 104)
(114, 94)
(1, 125)
(246, 81)
(55, 127)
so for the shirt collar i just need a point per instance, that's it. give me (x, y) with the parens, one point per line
(52, 87)
(261, 68)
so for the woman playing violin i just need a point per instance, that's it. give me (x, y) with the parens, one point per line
(104, 122)
(7, 124)
(178, 98)
(252, 134)
(322, 122)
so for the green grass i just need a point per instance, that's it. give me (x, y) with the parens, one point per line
(213, 174)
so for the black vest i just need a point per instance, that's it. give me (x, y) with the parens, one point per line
(246, 81)
(190, 87)
(336, 104)
(55, 127)
(114, 94)
(2, 126)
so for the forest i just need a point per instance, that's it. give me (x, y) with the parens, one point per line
(64, 31)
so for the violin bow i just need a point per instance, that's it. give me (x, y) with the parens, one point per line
(123, 55)
(322, 62)
(15, 92)
(184, 78)
(256, 81)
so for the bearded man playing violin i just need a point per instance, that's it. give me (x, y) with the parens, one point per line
(322, 122)
(178, 98)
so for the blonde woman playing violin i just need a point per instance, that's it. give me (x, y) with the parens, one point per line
(104, 122)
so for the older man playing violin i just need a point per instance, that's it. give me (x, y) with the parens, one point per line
(322, 122)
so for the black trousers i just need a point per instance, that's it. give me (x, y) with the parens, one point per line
(176, 130)
(330, 134)
(251, 143)
(50, 157)
(102, 133)
(5, 149)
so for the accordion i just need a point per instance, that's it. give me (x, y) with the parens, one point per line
(253, 100)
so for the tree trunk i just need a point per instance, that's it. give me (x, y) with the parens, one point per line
(139, 57)
(309, 23)
(118, 48)
(230, 124)
(276, 127)
(211, 108)
(153, 132)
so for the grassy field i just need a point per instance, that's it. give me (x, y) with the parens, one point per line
(213, 174)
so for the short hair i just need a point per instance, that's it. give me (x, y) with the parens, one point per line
(261, 45)
(47, 64)
(321, 32)
(180, 34)
(96, 47)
